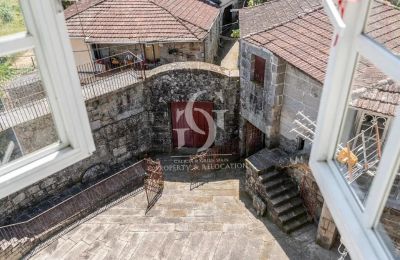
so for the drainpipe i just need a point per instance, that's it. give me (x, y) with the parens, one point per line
(144, 60)
(204, 49)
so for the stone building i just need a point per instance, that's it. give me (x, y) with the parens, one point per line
(161, 32)
(283, 58)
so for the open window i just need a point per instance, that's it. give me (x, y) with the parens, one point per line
(39, 86)
(356, 159)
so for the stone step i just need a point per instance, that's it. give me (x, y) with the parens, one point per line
(269, 176)
(292, 215)
(296, 224)
(275, 183)
(281, 199)
(289, 205)
(279, 190)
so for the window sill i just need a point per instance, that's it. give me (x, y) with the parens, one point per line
(39, 169)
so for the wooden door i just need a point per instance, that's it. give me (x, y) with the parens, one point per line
(179, 121)
(254, 139)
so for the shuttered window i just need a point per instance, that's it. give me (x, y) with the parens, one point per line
(259, 70)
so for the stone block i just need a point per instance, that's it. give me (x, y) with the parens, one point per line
(327, 231)
(17, 199)
(259, 205)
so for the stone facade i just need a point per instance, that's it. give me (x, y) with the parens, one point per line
(135, 120)
(261, 104)
(301, 93)
(272, 107)
(222, 88)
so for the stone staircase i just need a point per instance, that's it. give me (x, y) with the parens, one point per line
(274, 192)
(283, 202)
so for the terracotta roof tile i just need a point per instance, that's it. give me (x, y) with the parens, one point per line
(108, 21)
(304, 41)
(262, 17)
(381, 97)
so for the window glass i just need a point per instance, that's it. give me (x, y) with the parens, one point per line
(389, 224)
(371, 107)
(11, 19)
(383, 24)
(26, 122)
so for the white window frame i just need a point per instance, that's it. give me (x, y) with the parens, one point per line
(47, 35)
(356, 224)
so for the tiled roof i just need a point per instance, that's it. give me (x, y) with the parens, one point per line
(305, 41)
(108, 21)
(382, 97)
(265, 16)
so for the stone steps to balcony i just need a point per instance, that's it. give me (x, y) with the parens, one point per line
(279, 193)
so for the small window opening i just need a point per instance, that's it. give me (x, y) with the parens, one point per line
(300, 143)
(258, 72)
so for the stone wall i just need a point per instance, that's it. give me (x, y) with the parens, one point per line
(301, 93)
(211, 42)
(261, 104)
(181, 51)
(135, 120)
(36, 134)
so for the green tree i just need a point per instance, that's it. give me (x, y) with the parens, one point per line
(235, 33)
(6, 13)
(252, 3)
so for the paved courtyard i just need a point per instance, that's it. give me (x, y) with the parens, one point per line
(212, 221)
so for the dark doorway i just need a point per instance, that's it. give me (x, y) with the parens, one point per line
(192, 138)
(227, 16)
(254, 139)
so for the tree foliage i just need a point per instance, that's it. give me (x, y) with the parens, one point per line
(252, 3)
(235, 33)
(6, 12)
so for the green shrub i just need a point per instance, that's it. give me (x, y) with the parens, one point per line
(235, 33)
(6, 13)
(255, 2)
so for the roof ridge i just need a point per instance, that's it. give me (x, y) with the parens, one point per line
(179, 19)
(285, 22)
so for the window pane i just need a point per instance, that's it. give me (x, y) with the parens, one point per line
(389, 225)
(371, 106)
(11, 18)
(383, 24)
(26, 122)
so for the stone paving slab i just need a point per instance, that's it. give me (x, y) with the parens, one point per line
(215, 221)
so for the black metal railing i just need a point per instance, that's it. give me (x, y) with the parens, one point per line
(23, 236)
(24, 99)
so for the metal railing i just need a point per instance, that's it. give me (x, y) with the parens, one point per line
(24, 99)
(29, 233)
